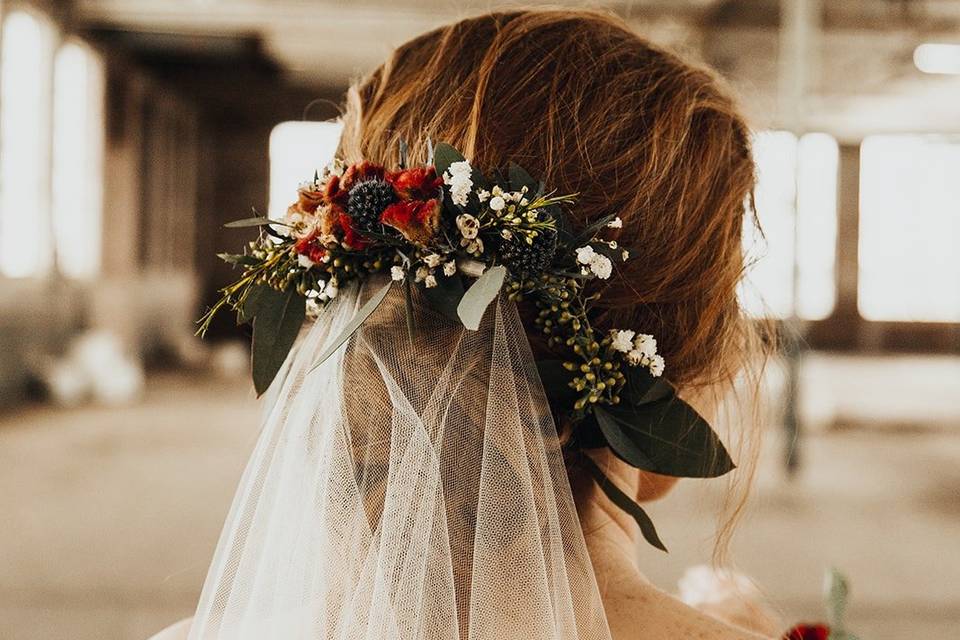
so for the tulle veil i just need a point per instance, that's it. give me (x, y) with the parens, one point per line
(411, 487)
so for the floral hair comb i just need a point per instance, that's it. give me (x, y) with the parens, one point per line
(438, 227)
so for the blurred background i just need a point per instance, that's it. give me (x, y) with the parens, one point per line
(131, 130)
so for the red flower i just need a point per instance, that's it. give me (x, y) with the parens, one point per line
(332, 188)
(351, 237)
(420, 183)
(309, 247)
(808, 632)
(417, 220)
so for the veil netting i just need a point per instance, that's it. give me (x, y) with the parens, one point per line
(411, 487)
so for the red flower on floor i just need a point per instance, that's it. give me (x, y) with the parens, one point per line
(419, 183)
(417, 220)
(808, 632)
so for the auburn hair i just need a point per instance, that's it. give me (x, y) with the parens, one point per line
(589, 107)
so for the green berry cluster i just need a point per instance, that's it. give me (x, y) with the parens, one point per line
(595, 367)
(278, 268)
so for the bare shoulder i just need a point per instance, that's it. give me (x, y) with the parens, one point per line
(644, 612)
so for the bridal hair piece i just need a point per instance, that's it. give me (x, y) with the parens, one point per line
(436, 228)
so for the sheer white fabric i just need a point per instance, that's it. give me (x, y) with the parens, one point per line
(404, 491)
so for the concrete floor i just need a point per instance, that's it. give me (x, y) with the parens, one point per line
(110, 516)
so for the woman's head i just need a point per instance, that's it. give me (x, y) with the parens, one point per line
(583, 103)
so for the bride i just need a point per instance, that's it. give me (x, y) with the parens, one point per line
(418, 484)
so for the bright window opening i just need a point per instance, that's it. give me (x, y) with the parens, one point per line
(25, 58)
(297, 150)
(909, 265)
(796, 199)
(817, 171)
(78, 138)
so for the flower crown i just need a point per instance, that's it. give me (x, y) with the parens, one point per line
(437, 227)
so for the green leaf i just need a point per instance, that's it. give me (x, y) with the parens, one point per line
(608, 251)
(479, 296)
(837, 591)
(238, 259)
(259, 221)
(555, 381)
(643, 388)
(408, 308)
(275, 327)
(519, 178)
(355, 323)
(624, 501)
(252, 302)
(665, 436)
(445, 297)
(445, 155)
(590, 231)
(564, 231)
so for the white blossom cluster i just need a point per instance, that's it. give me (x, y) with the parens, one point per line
(457, 177)
(593, 262)
(425, 272)
(328, 290)
(500, 199)
(640, 349)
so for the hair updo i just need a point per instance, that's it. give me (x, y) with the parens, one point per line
(589, 107)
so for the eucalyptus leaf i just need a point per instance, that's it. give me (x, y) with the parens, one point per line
(587, 435)
(613, 254)
(275, 327)
(445, 155)
(479, 296)
(238, 259)
(408, 308)
(622, 500)
(619, 440)
(665, 436)
(252, 302)
(643, 388)
(273, 232)
(564, 230)
(445, 297)
(555, 381)
(259, 221)
(591, 230)
(519, 178)
(355, 323)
